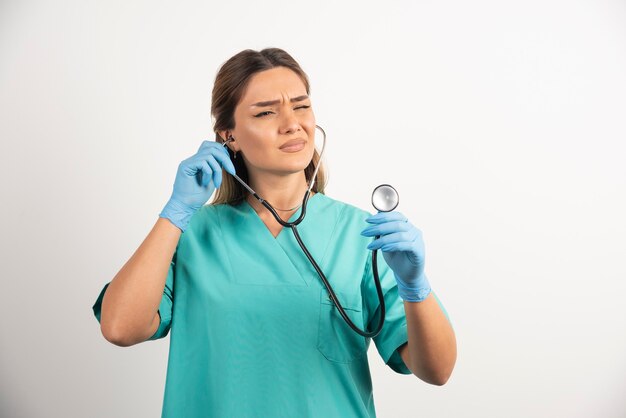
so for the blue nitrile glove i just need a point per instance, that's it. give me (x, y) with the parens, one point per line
(196, 179)
(403, 250)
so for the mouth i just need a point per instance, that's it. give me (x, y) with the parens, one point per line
(293, 145)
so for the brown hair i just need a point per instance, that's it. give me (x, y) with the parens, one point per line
(229, 87)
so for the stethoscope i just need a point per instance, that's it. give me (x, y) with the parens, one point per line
(384, 198)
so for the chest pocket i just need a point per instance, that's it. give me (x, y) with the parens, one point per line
(335, 339)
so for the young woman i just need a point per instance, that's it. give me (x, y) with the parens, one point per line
(253, 330)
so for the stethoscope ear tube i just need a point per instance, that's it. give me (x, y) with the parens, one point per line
(244, 184)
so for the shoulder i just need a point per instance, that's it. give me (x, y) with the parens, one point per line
(344, 205)
(345, 212)
(205, 213)
(202, 220)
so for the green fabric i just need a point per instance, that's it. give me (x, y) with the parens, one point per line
(253, 332)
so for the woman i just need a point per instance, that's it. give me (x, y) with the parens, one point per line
(254, 333)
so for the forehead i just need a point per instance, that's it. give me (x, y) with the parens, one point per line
(272, 84)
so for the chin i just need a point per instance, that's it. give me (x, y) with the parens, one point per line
(298, 160)
(294, 168)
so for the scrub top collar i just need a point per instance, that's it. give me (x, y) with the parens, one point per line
(311, 210)
(283, 251)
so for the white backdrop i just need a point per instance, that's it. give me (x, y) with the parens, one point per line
(501, 124)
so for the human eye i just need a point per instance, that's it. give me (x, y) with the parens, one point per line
(269, 111)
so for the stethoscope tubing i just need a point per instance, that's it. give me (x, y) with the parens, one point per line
(292, 226)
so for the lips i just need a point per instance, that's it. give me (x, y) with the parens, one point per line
(292, 142)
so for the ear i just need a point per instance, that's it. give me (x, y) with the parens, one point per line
(223, 134)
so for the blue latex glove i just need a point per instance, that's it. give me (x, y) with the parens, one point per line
(196, 179)
(403, 250)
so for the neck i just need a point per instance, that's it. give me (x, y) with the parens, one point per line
(282, 192)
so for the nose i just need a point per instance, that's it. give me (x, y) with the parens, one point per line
(289, 122)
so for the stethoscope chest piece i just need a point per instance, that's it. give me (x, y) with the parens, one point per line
(385, 198)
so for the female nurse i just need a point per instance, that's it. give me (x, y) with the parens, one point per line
(253, 330)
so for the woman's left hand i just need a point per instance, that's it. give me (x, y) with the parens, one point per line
(403, 250)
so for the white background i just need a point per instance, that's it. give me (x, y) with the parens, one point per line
(501, 124)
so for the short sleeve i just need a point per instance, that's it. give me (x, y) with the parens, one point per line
(165, 307)
(395, 332)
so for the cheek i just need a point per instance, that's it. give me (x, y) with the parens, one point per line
(309, 120)
(255, 131)
(258, 150)
(257, 138)
(315, 134)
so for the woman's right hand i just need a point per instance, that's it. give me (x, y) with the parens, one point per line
(196, 179)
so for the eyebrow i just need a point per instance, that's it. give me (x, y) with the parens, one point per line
(271, 102)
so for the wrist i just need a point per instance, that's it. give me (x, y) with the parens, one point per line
(415, 291)
(177, 213)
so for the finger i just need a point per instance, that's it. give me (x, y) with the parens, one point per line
(386, 228)
(191, 166)
(399, 246)
(206, 173)
(382, 217)
(396, 237)
(205, 144)
(210, 147)
(217, 171)
(224, 160)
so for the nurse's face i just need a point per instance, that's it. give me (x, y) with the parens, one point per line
(261, 129)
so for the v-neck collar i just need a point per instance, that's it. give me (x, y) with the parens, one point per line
(255, 254)
(311, 203)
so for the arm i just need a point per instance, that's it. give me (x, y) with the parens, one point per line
(131, 302)
(431, 350)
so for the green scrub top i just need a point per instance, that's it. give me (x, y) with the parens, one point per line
(253, 331)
